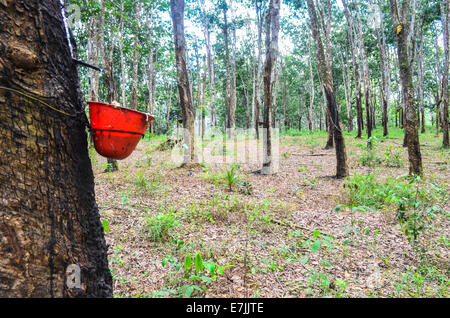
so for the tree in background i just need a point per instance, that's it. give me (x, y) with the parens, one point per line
(401, 18)
(187, 109)
(326, 76)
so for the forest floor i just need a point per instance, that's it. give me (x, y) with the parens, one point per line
(180, 232)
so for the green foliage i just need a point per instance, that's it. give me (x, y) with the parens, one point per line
(245, 187)
(159, 226)
(105, 225)
(369, 159)
(194, 273)
(412, 198)
(231, 176)
(392, 157)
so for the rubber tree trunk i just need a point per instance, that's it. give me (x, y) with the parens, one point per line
(356, 76)
(272, 30)
(445, 8)
(259, 25)
(401, 26)
(187, 109)
(48, 215)
(325, 73)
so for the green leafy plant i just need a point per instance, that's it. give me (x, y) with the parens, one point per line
(141, 181)
(392, 157)
(160, 225)
(231, 176)
(196, 272)
(245, 187)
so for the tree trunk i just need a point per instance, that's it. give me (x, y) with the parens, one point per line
(134, 97)
(203, 106)
(347, 91)
(169, 106)
(325, 73)
(272, 29)
(366, 76)
(384, 70)
(438, 98)
(311, 89)
(259, 25)
(210, 63)
(285, 100)
(150, 72)
(402, 28)
(421, 83)
(356, 76)
(229, 99)
(107, 61)
(93, 59)
(49, 218)
(445, 8)
(188, 114)
(274, 95)
(122, 59)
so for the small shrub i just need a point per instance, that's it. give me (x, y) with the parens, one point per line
(245, 187)
(141, 181)
(231, 176)
(369, 159)
(160, 225)
(393, 158)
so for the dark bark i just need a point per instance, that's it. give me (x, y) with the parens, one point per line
(259, 25)
(356, 77)
(327, 81)
(272, 29)
(188, 113)
(401, 19)
(445, 8)
(49, 218)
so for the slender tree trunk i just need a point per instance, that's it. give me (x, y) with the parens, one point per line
(347, 91)
(366, 76)
(384, 69)
(401, 21)
(325, 73)
(188, 113)
(134, 97)
(49, 219)
(274, 95)
(150, 70)
(272, 29)
(420, 82)
(107, 62)
(300, 113)
(123, 83)
(233, 72)
(93, 58)
(259, 25)
(311, 89)
(252, 122)
(230, 113)
(445, 8)
(169, 106)
(210, 63)
(203, 106)
(285, 100)
(356, 75)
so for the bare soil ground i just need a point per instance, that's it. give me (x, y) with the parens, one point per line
(267, 236)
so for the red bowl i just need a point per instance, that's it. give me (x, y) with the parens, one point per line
(117, 130)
